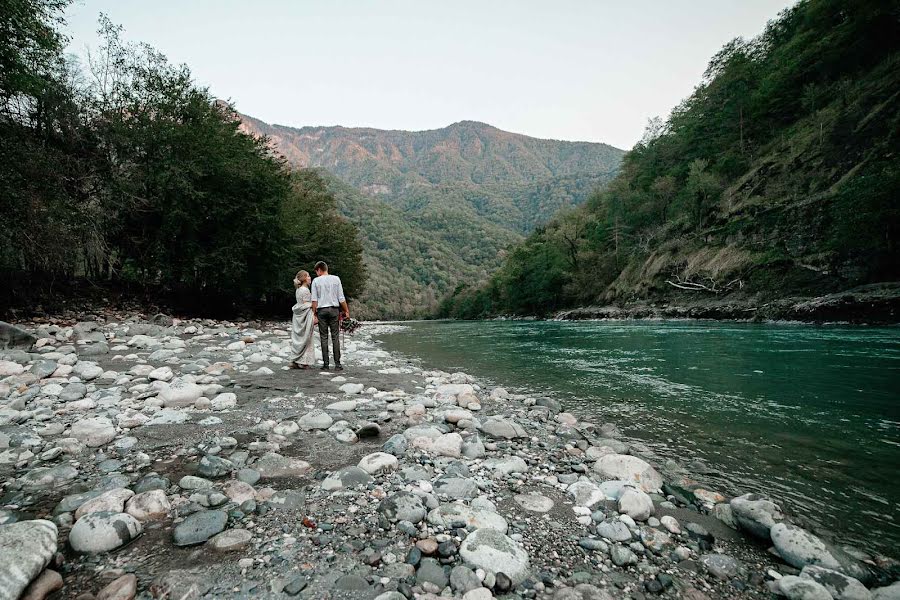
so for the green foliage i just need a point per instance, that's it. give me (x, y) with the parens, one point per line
(316, 231)
(129, 174)
(778, 175)
(438, 208)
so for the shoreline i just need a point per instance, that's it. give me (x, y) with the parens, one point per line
(380, 481)
(877, 304)
(686, 471)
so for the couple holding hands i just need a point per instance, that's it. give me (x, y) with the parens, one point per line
(321, 302)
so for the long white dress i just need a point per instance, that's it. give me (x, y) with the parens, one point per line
(302, 329)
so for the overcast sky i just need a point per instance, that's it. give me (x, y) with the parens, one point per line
(591, 70)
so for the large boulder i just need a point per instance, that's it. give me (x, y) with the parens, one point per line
(755, 514)
(45, 478)
(8, 367)
(629, 468)
(888, 592)
(457, 515)
(457, 488)
(798, 588)
(26, 547)
(348, 477)
(103, 531)
(636, 504)
(315, 419)
(614, 530)
(15, 337)
(149, 505)
(586, 494)
(93, 432)
(448, 393)
(180, 393)
(109, 501)
(840, 586)
(491, 550)
(501, 467)
(403, 506)
(378, 462)
(199, 527)
(501, 427)
(800, 548)
(449, 444)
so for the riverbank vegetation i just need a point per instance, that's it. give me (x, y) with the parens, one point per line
(123, 174)
(777, 176)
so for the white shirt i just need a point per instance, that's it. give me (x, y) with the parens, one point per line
(327, 291)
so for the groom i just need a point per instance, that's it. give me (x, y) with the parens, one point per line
(327, 297)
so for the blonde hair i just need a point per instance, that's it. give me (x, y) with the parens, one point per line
(301, 276)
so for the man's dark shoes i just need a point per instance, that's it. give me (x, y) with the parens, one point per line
(324, 367)
(338, 367)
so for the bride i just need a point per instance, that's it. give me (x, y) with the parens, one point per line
(302, 324)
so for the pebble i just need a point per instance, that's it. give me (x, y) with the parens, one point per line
(231, 540)
(45, 584)
(122, 588)
(420, 518)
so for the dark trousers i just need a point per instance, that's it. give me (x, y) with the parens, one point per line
(329, 321)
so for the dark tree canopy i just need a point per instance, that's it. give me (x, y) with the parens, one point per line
(126, 173)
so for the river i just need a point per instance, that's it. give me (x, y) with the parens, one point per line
(808, 415)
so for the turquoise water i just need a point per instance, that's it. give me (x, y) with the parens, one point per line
(808, 415)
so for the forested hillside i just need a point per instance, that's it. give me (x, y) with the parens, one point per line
(777, 177)
(122, 176)
(438, 208)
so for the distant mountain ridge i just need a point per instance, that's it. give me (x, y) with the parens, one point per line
(387, 161)
(439, 207)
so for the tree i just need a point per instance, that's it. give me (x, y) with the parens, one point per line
(664, 188)
(568, 231)
(316, 231)
(702, 186)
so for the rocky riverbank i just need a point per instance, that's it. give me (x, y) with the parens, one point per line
(183, 459)
(877, 304)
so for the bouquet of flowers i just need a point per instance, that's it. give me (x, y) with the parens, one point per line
(349, 325)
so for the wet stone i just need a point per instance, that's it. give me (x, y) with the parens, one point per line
(722, 566)
(431, 571)
(403, 506)
(622, 556)
(214, 466)
(457, 488)
(348, 477)
(199, 527)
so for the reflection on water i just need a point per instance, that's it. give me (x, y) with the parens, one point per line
(810, 415)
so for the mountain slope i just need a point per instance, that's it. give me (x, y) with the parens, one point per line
(413, 260)
(387, 162)
(437, 208)
(776, 179)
